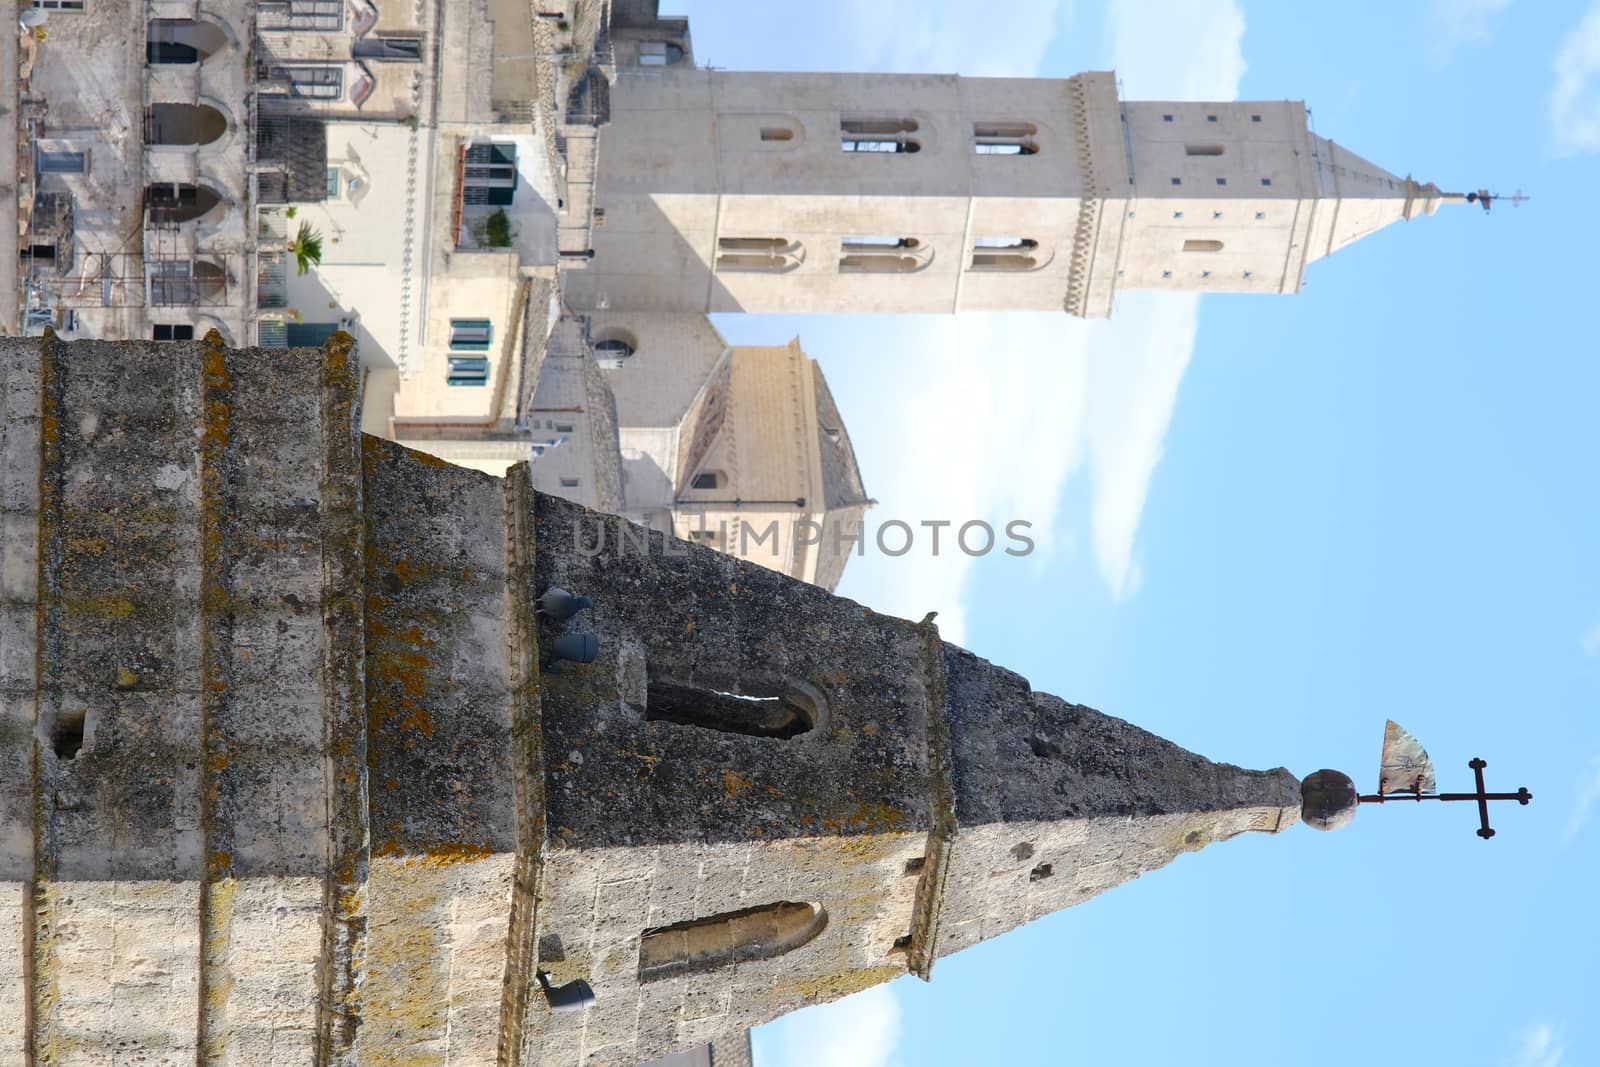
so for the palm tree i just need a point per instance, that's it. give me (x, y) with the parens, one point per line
(307, 248)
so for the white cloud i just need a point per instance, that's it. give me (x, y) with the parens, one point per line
(1539, 1046)
(1460, 24)
(1590, 641)
(858, 1031)
(1177, 49)
(1038, 397)
(1588, 797)
(1134, 395)
(1575, 99)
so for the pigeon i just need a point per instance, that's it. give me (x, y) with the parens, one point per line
(559, 605)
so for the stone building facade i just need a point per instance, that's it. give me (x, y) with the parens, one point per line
(290, 771)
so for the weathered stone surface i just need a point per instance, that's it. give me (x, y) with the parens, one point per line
(283, 783)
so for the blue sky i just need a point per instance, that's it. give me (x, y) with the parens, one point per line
(1269, 524)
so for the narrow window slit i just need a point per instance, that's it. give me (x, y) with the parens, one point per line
(67, 736)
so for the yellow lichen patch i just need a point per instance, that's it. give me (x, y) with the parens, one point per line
(734, 783)
(406, 989)
(106, 606)
(833, 986)
(446, 854)
(126, 679)
(86, 546)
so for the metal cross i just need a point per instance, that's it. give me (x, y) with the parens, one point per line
(1485, 831)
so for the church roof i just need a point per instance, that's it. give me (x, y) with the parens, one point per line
(843, 494)
(841, 477)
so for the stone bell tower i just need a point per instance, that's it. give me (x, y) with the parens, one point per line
(290, 771)
(732, 191)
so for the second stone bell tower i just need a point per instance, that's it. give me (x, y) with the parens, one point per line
(731, 191)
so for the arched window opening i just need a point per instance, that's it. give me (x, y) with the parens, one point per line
(1202, 246)
(879, 244)
(612, 352)
(1203, 150)
(707, 480)
(174, 202)
(879, 264)
(1002, 261)
(183, 124)
(885, 135)
(882, 255)
(782, 712)
(732, 937)
(1004, 138)
(660, 53)
(1006, 242)
(182, 41)
(752, 244)
(772, 255)
(776, 133)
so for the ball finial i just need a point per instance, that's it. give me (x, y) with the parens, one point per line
(1328, 800)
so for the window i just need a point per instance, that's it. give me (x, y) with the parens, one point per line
(1203, 150)
(1177, 181)
(1177, 214)
(1266, 181)
(1249, 274)
(1205, 274)
(1202, 246)
(659, 54)
(301, 15)
(782, 712)
(1222, 181)
(1004, 138)
(1166, 118)
(66, 737)
(314, 81)
(881, 255)
(396, 49)
(59, 5)
(176, 331)
(776, 133)
(761, 254)
(470, 335)
(178, 282)
(877, 135)
(563, 427)
(611, 352)
(1260, 215)
(1004, 253)
(704, 481)
(1211, 118)
(569, 483)
(489, 174)
(1255, 118)
(1166, 274)
(63, 162)
(726, 939)
(468, 370)
(333, 183)
(1216, 215)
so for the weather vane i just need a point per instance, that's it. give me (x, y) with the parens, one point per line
(1485, 197)
(1329, 799)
